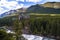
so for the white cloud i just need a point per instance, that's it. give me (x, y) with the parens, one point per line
(2, 10)
(20, 0)
(33, 1)
(30, 0)
(9, 5)
(19, 6)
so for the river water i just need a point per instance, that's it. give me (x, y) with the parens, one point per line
(32, 37)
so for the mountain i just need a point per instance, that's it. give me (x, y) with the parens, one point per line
(22, 10)
(8, 13)
(49, 7)
(12, 12)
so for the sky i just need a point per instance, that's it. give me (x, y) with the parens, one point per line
(6, 5)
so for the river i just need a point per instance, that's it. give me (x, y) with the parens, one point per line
(32, 37)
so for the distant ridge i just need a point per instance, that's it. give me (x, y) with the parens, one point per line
(52, 4)
(49, 7)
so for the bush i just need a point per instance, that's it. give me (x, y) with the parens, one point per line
(5, 36)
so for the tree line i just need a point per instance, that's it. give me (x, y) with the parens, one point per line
(46, 26)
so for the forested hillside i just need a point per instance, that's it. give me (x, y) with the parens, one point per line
(43, 10)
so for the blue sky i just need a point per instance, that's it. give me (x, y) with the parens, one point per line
(6, 5)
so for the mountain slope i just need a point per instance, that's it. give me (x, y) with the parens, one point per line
(8, 13)
(44, 9)
(12, 12)
(51, 5)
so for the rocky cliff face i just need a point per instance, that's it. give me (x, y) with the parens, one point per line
(52, 4)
